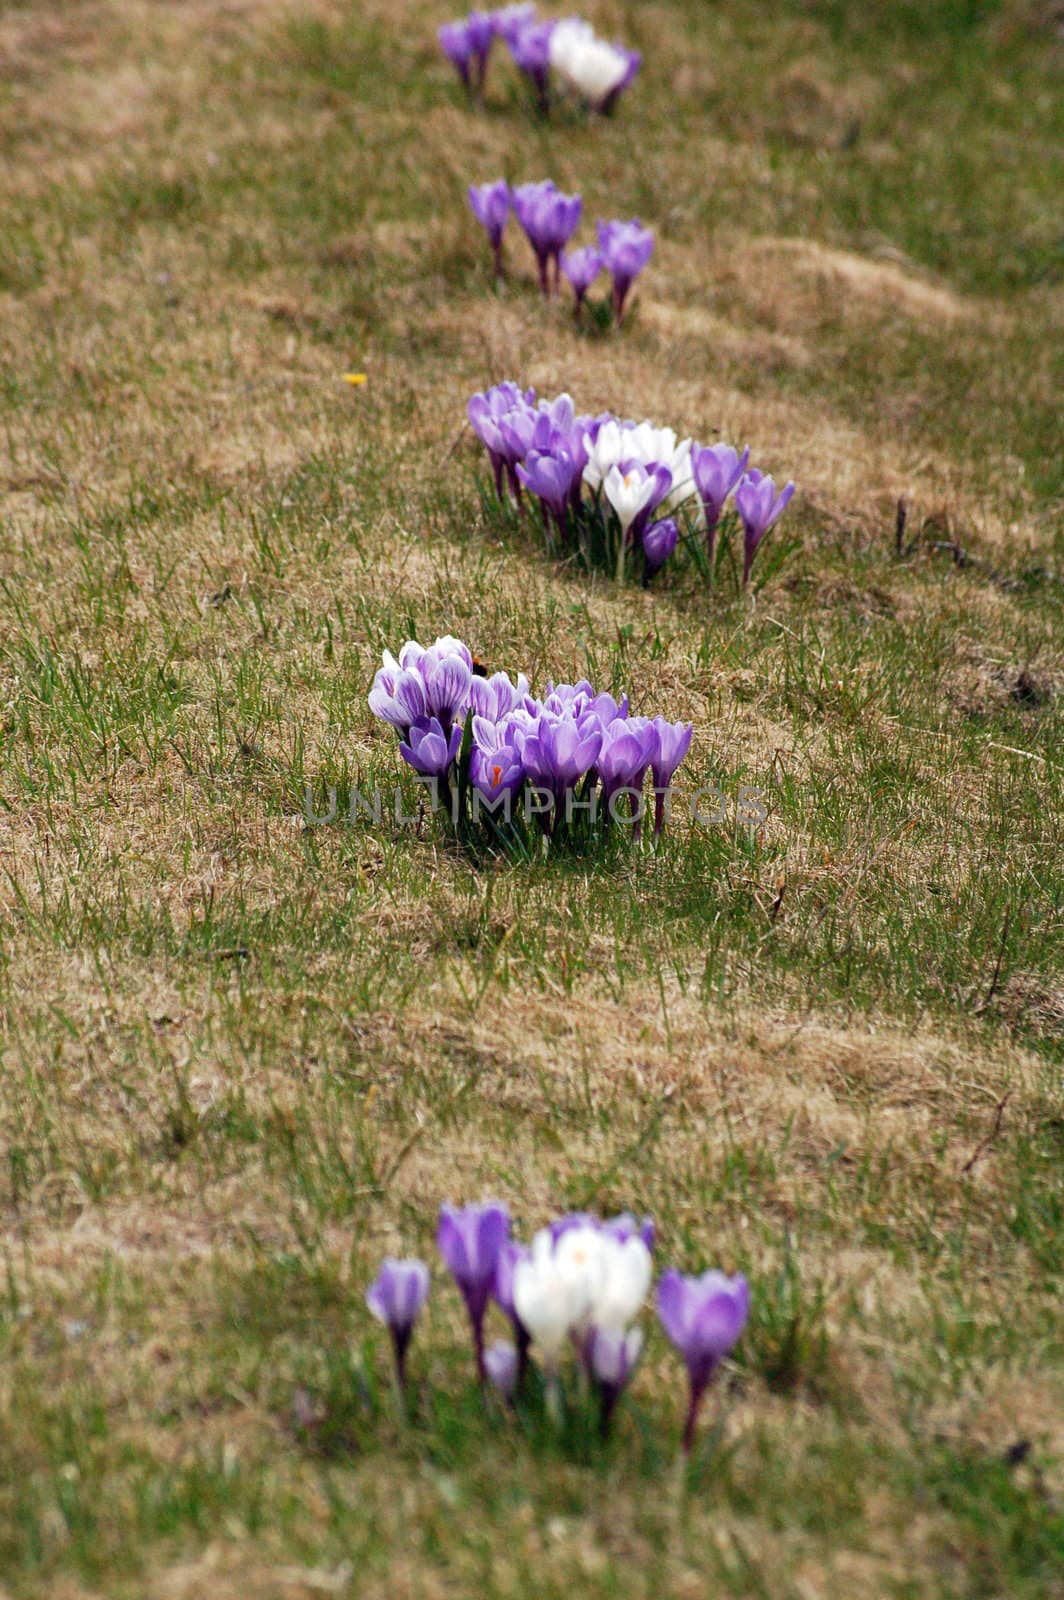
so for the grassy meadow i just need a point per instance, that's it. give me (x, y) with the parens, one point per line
(242, 1058)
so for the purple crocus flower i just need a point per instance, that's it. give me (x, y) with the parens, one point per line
(716, 470)
(582, 267)
(659, 541)
(470, 1239)
(563, 751)
(759, 506)
(398, 698)
(396, 1298)
(493, 698)
(491, 207)
(481, 26)
(560, 414)
(530, 48)
(703, 1318)
(428, 749)
(549, 219)
(510, 20)
(431, 682)
(467, 45)
(502, 1363)
(448, 678)
(628, 746)
(550, 474)
(627, 247)
(486, 411)
(674, 741)
(518, 431)
(496, 772)
(611, 1359)
(456, 41)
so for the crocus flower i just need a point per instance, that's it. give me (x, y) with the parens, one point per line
(612, 1356)
(628, 744)
(491, 207)
(530, 48)
(581, 267)
(396, 1299)
(550, 474)
(648, 445)
(759, 506)
(431, 682)
(486, 412)
(470, 1239)
(510, 1257)
(501, 1363)
(562, 751)
(659, 541)
(571, 1220)
(605, 446)
(633, 62)
(513, 19)
(493, 698)
(674, 741)
(634, 491)
(551, 1297)
(467, 44)
(627, 247)
(496, 773)
(625, 1226)
(703, 1318)
(587, 64)
(559, 412)
(428, 749)
(549, 219)
(398, 697)
(624, 1273)
(456, 41)
(716, 470)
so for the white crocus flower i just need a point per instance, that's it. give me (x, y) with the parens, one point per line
(624, 1274)
(551, 1295)
(603, 452)
(586, 63)
(660, 445)
(629, 492)
(580, 1258)
(649, 445)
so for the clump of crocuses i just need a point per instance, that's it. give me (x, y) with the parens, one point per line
(567, 55)
(549, 219)
(524, 773)
(573, 1297)
(618, 494)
